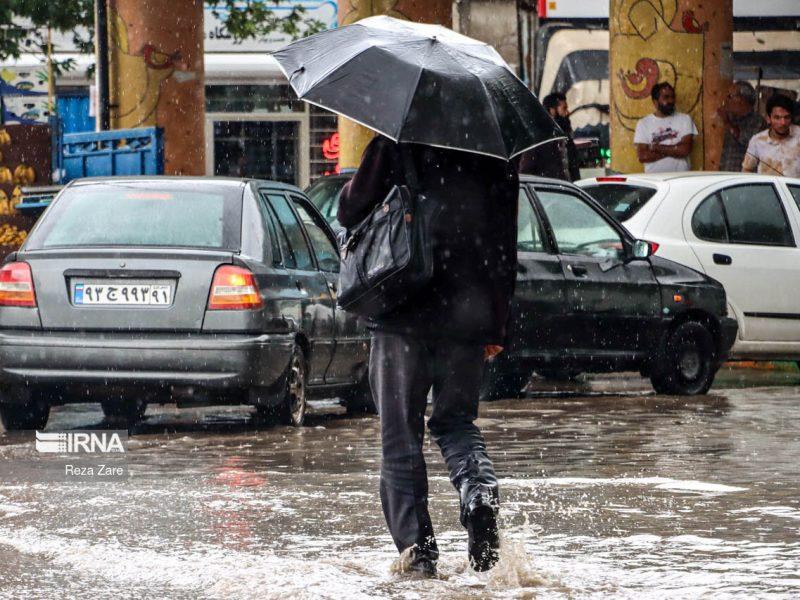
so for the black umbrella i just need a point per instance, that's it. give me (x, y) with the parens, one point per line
(419, 83)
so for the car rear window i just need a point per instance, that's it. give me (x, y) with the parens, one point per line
(188, 215)
(621, 200)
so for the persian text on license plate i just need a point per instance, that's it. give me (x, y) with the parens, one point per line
(122, 294)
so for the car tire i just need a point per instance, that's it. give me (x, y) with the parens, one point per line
(556, 374)
(502, 380)
(686, 365)
(359, 400)
(292, 410)
(129, 412)
(29, 415)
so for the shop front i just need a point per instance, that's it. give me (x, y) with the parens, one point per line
(254, 126)
(258, 129)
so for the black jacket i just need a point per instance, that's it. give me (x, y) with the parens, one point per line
(475, 238)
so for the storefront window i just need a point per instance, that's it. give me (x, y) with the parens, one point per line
(324, 143)
(260, 149)
(270, 148)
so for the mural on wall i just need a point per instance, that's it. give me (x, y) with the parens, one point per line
(23, 94)
(651, 42)
(137, 75)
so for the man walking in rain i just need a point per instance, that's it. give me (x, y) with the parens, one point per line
(441, 340)
(407, 82)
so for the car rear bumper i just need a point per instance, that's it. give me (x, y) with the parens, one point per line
(211, 361)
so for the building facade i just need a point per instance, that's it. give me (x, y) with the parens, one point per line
(254, 125)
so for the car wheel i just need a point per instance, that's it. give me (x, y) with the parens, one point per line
(359, 399)
(559, 374)
(502, 380)
(29, 415)
(128, 412)
(292, 410)
(687, 364)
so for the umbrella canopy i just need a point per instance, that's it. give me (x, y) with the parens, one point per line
(419, 83)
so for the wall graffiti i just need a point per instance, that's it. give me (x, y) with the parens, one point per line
(138, 76)
(651, 43)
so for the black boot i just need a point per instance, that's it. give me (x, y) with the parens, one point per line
(416, 562)
(479, 508)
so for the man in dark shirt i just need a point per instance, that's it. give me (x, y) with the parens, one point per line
(741, 124)
(440, 340)
(557, 159)
(557, 107)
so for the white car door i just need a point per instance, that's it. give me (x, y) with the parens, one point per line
(745, 235)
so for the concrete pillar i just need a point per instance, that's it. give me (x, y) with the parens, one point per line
(353, 137)
(687, 43)
(156, 76)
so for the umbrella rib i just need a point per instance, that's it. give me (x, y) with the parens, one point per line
(348, 117)
(491, 105)
(537, 144)
(327, 73)
(515, 108)
(413, 90)
(486, 91)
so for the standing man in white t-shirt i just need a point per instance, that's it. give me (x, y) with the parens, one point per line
(664, 139)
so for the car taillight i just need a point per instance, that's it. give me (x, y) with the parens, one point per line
(233, 288)
(16, 285)
(653, 247)
(608, 178)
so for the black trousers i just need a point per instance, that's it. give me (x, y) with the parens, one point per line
(402, 369)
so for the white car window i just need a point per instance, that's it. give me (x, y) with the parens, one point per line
(620, 199)
(708, 221)
(795, 189)
(579, 228)
(743, 214)
(754, 215)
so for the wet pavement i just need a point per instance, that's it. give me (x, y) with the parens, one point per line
(608, 491)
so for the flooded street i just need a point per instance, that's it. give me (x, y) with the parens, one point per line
(607, 491)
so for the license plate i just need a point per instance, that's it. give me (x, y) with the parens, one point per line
(121, 293)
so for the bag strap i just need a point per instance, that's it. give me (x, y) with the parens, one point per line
(409, 169)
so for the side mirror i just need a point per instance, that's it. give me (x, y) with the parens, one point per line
(642, 250)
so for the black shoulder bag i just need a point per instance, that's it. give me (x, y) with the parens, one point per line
(388, 257)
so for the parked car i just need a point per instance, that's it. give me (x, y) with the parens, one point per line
(741, 229)
(324, 194)
(590, 297)
(154, 289)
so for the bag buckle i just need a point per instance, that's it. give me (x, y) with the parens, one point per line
(350, 244)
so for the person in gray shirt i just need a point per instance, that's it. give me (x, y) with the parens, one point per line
(741, 123)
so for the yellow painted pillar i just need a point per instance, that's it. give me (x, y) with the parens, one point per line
(687, 43)
(156, 76)
(353, 137)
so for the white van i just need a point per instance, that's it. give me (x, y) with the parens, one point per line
(570, 49)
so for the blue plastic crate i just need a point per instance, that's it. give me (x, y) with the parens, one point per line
(118, 152)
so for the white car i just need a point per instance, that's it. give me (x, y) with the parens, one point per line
(741, 229)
